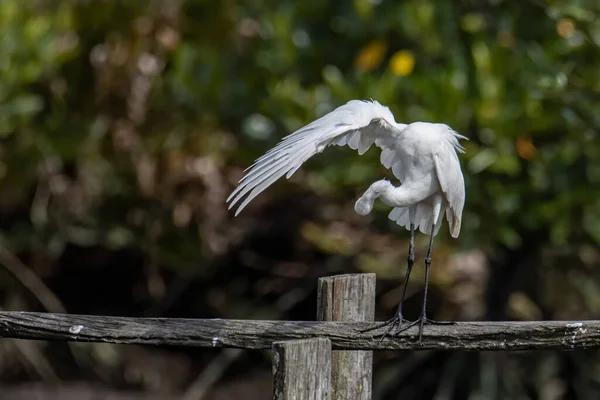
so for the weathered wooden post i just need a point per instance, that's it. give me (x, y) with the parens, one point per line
(349, 298)
(302, 369)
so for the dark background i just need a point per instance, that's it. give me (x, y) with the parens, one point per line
(124, 125)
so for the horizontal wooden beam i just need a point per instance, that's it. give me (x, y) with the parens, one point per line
(251, 334)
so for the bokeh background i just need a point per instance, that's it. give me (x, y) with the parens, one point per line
(124, 125)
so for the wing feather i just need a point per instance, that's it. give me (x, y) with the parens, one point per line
(358, 124)
(423, 218)
(452, 183)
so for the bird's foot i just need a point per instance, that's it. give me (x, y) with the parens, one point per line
(421, 322)
(395, 322)
(433, 322)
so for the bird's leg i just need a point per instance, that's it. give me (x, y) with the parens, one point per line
(423, 318)
(411, 262)
(397, 319)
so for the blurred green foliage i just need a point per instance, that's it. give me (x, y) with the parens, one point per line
(75, 75)
(126, 124)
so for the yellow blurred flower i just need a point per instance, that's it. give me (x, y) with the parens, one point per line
(371, 56)
(402, 63)
(525, 148)
(565, 27)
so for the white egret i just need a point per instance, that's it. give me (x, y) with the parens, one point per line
(423, 156)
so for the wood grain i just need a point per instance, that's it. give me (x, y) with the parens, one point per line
(349, 298)
(253, 334)
(302, 369)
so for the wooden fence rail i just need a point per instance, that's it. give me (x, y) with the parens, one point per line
(251, 334)
(345, 306)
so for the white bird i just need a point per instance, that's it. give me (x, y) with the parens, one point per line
(423, 156)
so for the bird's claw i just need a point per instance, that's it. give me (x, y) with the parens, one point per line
(422, 321)
(396, 321)
(433, 322)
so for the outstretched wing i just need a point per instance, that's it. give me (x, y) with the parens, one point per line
(358, 124)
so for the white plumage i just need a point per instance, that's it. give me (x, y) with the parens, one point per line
(422, 156)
